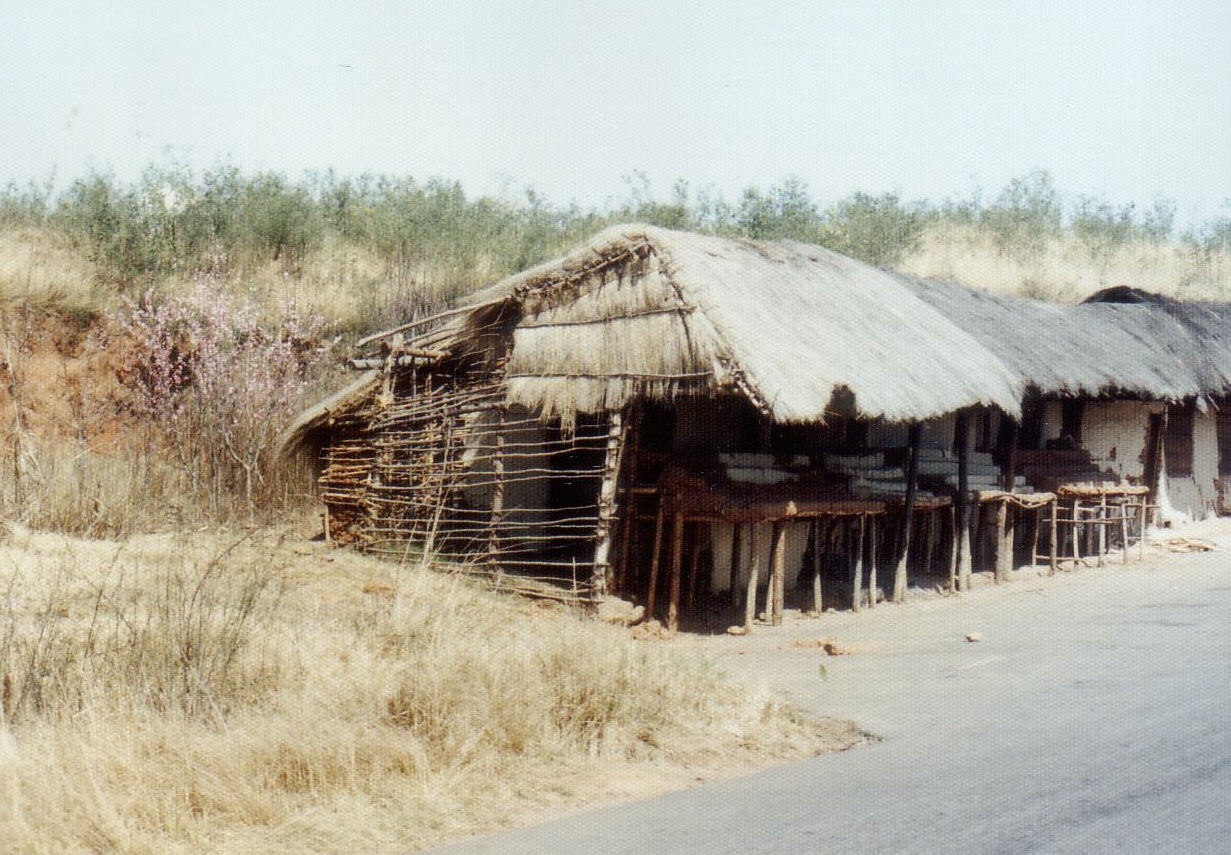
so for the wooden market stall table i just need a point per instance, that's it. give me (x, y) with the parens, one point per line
(1009, 505)
(688, 496)
(1091, 509)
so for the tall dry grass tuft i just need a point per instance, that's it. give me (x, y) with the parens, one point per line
(40, 267)
(1066, 269)
(202, 693)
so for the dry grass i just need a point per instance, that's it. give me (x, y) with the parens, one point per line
(39, 266)
(1068, 270)
(224, 693)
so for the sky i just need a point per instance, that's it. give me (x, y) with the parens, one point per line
(1125, 100)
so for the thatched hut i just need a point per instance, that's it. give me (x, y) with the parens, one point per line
(669, 416)
(521, 428)
(1133, 381)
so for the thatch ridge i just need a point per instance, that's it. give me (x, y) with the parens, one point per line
(644, 311)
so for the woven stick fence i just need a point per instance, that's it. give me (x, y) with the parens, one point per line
(444, 471)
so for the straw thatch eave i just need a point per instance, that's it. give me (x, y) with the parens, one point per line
(323, 414)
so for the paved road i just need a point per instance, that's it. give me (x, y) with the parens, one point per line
(1094, 717)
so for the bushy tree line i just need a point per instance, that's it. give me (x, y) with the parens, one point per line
(225, 221)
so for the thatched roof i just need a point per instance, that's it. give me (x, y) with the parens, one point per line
(644, 311)
(640, 311)
(1091, 349)
(1204, 337)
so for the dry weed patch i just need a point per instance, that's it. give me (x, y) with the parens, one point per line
(219, 692)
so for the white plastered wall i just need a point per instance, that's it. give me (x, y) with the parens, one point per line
(1116, 433)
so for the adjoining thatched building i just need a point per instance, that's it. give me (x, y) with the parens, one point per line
(660, 410)
(1136, 380)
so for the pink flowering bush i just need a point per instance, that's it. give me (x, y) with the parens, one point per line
(215, 383)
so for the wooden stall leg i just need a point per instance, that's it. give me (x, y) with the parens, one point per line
(694, 566)
(1076, 534)
(961, 536)
(873, 543)
(736, 547)
(652, 594)
(777, 582)
(1035, 528)
(908, 512)
(677, 571)
(1004, 543)
(1141, 533)
(817, 598)
(754, 569)
(857, 572)
(953, 550)
(1052, 540)
(1102, 529)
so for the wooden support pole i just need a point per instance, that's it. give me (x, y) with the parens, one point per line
(677, 572)
(872, 583)
(953, 549)
(1124, 510)
(857, 570)
(908, 512)
(628, 504)
(1004, 542)
(652, 594)
(962, 535)
(496, 521)
(778, 574)
(1102, 529)
(873, 543)
(1076, 534)
(1053, 540)
(736, 547)
(694, 566)
(750, 602)
(1008, 468)
(1141, 534)
(931, 523)
(600, 578)
(817, 598)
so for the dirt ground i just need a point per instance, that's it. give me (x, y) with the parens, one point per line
(769, 658)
